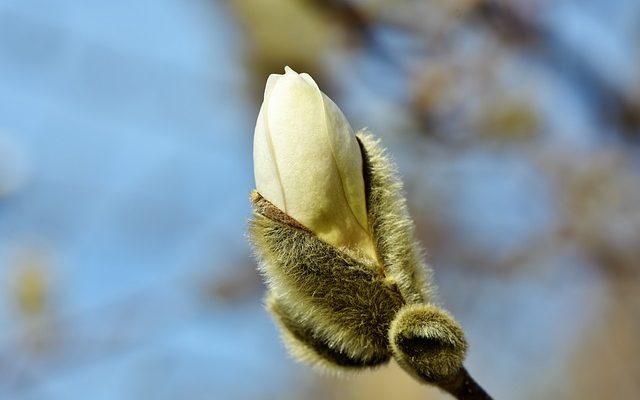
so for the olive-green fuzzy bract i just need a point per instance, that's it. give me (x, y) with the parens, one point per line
(391, 224)
(427, 342)
(340, 310)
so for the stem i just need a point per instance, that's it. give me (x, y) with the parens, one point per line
(463, 387)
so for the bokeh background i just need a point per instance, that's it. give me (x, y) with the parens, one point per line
(126, 163)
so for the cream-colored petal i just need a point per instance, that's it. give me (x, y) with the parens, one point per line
(271, 82)
(314, 166)
(307, 78)
(347, 155)
(266, 171)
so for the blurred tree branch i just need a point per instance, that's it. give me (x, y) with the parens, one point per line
(612, 106)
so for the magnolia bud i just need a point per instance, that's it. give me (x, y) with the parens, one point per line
(338, 310)
(307, 162)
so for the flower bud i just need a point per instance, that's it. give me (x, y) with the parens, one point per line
(336, 309)
(307, 162)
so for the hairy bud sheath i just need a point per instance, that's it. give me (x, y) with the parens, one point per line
(337, 308)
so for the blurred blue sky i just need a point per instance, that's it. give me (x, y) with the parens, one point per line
(120, 126)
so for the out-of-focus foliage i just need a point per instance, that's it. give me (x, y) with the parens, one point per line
(296, 31)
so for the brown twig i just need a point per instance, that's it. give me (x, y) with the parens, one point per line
(463, 387)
